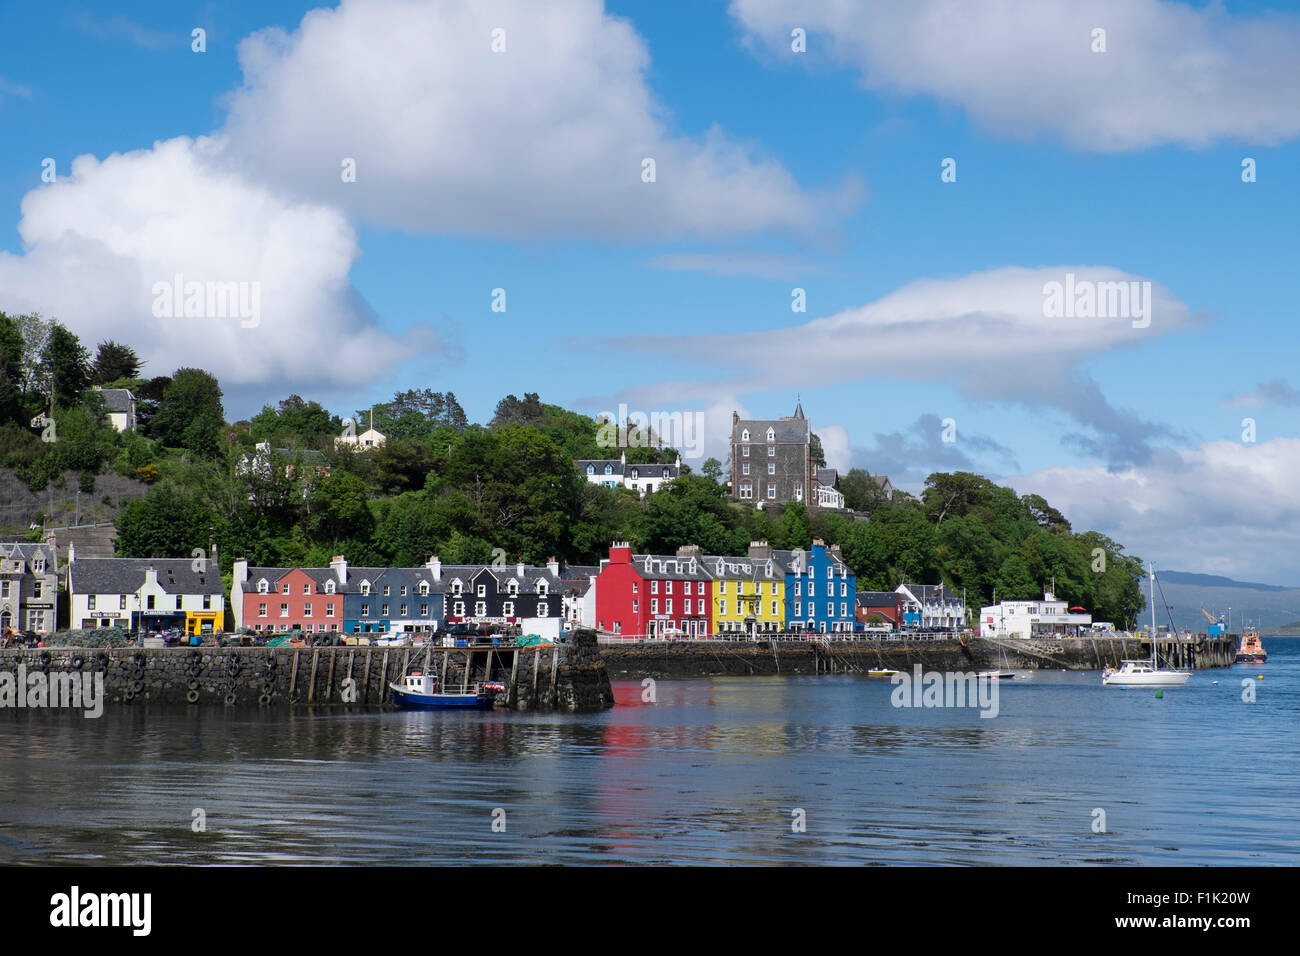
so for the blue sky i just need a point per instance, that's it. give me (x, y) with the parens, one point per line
(827, 178)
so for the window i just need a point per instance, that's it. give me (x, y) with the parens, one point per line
(306, 609)
(458, 609)
(744, 435)
(480, 609)
(285, 588)
(774, 609)
(700, 606)
(668, 606)
(771, 490)
(284, 609)
(830, 572)
(306, 588)
(744, 452)
(746, 490)
(722, 587)
(482, 590)
(609, 469)
(4, 589)
(636, 606)
(365, 587)
(403, 590)
(541, 589)
(591, 469)
(424, 588)
(635, 587)
(178, 602)
(654, 605)
(541, 609)
(384, 611)
(771, 451)
(207, 602)
(844, 610)
(812, 588)
(329, 609)
(261, 609)
(830, 609)
(456, 589)
(403, 614)
(508, 609)
(90, 602)
(654, 587)
(424, 610)
(668, 587)
(365, 610)
(121, 602)
(329, 587)
(844, 589)
(149, 604)
(798, 608)
(774, 588)
(722, 608)
(798, 589)
(387, 590)
(744, 468)
(771, 468)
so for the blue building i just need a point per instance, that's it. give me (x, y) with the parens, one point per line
(390, 600)
(820, 589)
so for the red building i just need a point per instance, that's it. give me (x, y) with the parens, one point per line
(647, 595)
(291, 599)
(886, 604)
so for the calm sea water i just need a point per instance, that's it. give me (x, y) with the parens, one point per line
(710, 774)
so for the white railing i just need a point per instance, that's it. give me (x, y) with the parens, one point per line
(804, 637)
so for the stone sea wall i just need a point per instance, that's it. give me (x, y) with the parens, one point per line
(572, 678)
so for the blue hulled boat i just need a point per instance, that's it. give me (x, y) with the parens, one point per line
(420, 692)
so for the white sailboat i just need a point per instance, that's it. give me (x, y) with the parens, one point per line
(1145, 673)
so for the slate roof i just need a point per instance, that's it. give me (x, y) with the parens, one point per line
(785, 431)
(742, 567)
(877, 598)
(26, 551)
(117, 400)
(827, 477)
(616, 466)
(126, 576)
(786, 560)
(932, 593)
(579, 572)
(670, 567)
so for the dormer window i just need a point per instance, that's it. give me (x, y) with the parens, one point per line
(365, 587)
(513, 588)
(424, 587)
(665, 472)
(263, 587)
(635, 473)
(541, 588)
(771, 434)
(591, 469)
(744, 435)
(329, 587)
(609, 469)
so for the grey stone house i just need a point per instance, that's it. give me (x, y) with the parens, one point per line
(771, 460)
(29, 587)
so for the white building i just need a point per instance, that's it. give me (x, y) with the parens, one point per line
(1027, 619)
(150, 593)
(931, 607)
(370, 438)
(644, 479)
(119, 406)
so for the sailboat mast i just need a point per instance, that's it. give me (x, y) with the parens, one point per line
(1152, 568)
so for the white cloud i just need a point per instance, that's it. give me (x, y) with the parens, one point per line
(1276, 392)
(985, 334)
(1171, 73)
(97, 241)
(544, 139)
(1214, 508)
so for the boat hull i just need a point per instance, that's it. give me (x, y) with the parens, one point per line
(403, 700)
(1150, 679)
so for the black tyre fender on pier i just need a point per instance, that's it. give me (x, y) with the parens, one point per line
(45, 659)
(77, 662)
(193, 685)
(232, 667)
(192, 695)
(140, 659)
(128, 696)
(264, 699)
(137, 686)
(195, 670)
(230, 700)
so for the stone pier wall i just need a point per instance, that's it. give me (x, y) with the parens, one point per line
(356, 677)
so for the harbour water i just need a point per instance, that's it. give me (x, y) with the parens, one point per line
(712, 772)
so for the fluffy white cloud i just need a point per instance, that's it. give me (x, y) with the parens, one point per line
(987, 334)
(97, 242)
(1171, 73)
(1214, 508)
(546, 138)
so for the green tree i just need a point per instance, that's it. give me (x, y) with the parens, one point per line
(66, 365)
(190, 415)
(113, 362)
(165, 523)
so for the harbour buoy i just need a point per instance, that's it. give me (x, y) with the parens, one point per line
(1214, 682)
(1160, 695)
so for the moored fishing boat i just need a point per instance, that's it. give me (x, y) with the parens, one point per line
(419, 691)
(1251, 650)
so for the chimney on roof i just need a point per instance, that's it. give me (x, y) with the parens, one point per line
(620, 552)
(339, 565)
(835, 550)
(519, 569)
(553, 566)
(212, 548)
(760, 550)
(72, 551)
(688, 551)
(434, 564)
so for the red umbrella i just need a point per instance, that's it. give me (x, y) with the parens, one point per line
(1078, 609)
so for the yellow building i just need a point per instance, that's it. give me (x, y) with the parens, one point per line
(748, 594)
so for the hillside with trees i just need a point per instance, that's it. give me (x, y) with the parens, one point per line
(443, 485)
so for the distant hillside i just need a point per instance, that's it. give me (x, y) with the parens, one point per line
(1215, 581)
(1268, 606)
